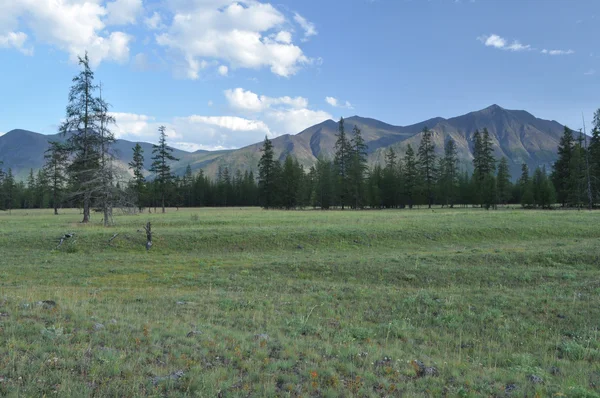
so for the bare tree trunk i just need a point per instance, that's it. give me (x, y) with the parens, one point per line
(86, 207)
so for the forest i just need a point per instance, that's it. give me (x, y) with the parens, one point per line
(81, 173)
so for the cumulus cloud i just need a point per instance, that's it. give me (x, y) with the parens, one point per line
(15, 40)
(308, 27)
(123, 12)
(558, 52)
(270, 116)
(223, 70)
(501, 43)
(283, 115)
(243, 33)
(73, 26)
(154, 22)
(337, 104)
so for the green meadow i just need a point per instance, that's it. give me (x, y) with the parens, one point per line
(256, 303)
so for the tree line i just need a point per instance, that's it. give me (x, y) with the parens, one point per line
(80, 172)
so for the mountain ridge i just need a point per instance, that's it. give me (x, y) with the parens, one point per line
(517, 135)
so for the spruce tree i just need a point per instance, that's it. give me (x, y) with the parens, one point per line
(411, 176)
(139, 181)
(390, 181)
(594, 154)
(56, 158)
(503, 184)
(81, 124)
(267, 175)
(31, 190)
(484, 180)
(561, 175)
(9, 187)
(427, 164)
(449, 174)
(341, 162)
(357, 167)
(162, 154)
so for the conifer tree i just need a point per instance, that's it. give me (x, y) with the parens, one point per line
(9, 187)
(82, 125)
(267, 177)
(427, 164)
(561, 175)
(56, 158)
(137, 167)
(31, 190)
(503, 184)
(411, 176)
(162, 154)
(449, 174)
(342, 164)
(390, 181)
(357, 167)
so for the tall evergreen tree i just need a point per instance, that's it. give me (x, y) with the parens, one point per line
(162, 154)
(357, 167)
(267, 177)
(427, 164)
(594, 154)
(31, 190)
(484, 180)
(503, 185)
(561, 175)
(105, 170)
(390, 194)
(9, 187)
(138, 184)
(411, 176)
(81, 124)
(55, 168)
(342, 164)
(449, 174)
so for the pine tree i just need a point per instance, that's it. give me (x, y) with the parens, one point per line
(341, 162)
(449, 174)
(9, 187)
(594, 154)
(160, 166)
(525, 188)
(484, 180)
(31, 188)
(390, 181)
(56, 157)
(503, 184)
(82, 125)
(357, 167)
(105, 170)
(411, 176)
(427, 164)
(267, 177)
(561, 175)
(139, 181)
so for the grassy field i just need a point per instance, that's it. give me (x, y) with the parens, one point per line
(254, 303)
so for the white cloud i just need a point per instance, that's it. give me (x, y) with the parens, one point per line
(73, 26)
(223, 70)
(15, 40)
(558, 52)
(243, 33)
(245, 100)
(501, 43)
(210, 103)
(590, 72)
(123, 12)
(154, 22)
(308, 27)
(337, 104)
(283, 115)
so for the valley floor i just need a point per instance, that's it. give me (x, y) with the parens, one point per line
(248, 302)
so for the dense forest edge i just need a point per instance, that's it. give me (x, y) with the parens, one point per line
(80, 172)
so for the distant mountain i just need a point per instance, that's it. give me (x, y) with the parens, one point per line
(517, 135)
(23, 150)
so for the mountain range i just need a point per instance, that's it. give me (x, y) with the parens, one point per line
(517, 135)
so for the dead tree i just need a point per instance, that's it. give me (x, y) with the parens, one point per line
(148, 229)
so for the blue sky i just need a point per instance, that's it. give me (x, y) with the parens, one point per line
(223, 74)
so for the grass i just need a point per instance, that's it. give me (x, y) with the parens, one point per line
(246, 302)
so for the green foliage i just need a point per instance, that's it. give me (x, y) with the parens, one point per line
(161, 155)
(428, 167)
